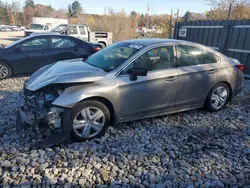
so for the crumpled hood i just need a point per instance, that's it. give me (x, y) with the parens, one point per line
(69, 71)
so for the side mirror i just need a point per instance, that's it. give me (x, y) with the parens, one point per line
(137, 71)
(1, 46)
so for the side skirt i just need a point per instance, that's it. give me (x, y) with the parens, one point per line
(165, 112)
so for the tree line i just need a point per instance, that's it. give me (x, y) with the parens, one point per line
(123, 25)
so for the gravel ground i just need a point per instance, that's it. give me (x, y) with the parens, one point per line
(191, 149)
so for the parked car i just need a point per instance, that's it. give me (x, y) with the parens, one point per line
(126, 81)
(14, 28)
(27, 55)
(5, 29)
(22, 28)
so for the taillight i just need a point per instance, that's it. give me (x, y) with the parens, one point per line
(241, 67)
(97, 49)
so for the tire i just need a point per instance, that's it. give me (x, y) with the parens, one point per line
(219, 94)
(5, 71)
(102, 45)
(89, 107)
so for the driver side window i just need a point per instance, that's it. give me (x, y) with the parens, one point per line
(155, 59)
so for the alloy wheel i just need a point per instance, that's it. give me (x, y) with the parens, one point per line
(3, 71)
(89, 122)
(219, 97)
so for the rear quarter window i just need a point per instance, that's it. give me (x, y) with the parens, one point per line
(209, 58)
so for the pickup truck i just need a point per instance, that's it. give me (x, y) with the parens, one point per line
(83, 32)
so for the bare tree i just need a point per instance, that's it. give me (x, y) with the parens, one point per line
(122, 26)
(60, 13)
(220, 8)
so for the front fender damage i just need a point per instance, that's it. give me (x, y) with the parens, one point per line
(73, 95)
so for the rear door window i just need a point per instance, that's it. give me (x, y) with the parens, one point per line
(58, 42)
(189, 55)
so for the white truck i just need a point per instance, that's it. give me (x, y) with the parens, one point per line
(83, 32)
(40, 25)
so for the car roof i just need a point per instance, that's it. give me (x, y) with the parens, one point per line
(46, 34)
(152, 41)
(147, 42)
(50, 35)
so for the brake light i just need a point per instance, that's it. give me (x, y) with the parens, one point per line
(97, 49)
(241, 67)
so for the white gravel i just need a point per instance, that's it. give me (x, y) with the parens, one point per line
(191, 149)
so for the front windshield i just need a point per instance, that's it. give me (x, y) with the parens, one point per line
(113, 56)
(59, 28)
(36, 26)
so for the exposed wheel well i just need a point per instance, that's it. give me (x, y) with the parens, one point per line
(107, 103)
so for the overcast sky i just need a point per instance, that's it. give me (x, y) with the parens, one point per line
(157, 6)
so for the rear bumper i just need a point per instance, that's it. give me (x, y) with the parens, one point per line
(237, 90)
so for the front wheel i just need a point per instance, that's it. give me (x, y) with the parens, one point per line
(217, 97)
(90, 119)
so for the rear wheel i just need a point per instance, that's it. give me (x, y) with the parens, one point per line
(217, 97)
(5, 71)
(90, 119)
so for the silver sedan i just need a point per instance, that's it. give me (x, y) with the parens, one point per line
(127, 81)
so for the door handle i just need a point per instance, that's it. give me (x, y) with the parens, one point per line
(76, 50)
(44, 52)
(171, 78)
(212, 71)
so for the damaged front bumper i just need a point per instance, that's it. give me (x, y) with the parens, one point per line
(36, 109)
(26, 116)
(53, 118)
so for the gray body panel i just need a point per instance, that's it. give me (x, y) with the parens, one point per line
(72, 71)
(149, 96)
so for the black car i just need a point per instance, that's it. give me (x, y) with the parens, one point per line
(27, 55)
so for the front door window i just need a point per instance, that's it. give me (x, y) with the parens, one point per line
(154, 60)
